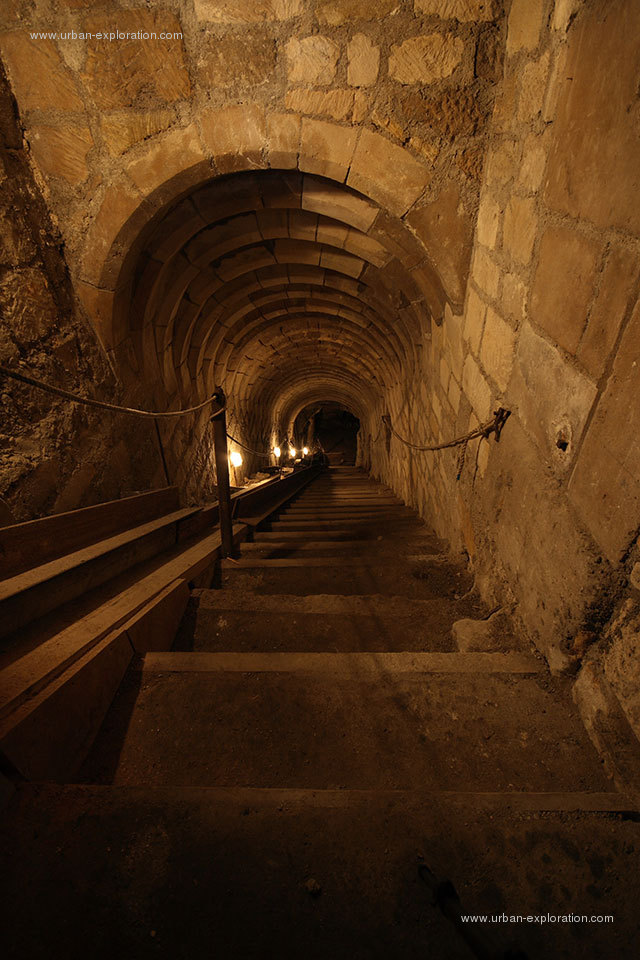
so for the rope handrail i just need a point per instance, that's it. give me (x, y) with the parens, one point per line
(103, 404)
(257, 453)
(495, 425)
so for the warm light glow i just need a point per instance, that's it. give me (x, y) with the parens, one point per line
(276, 452)
(292, 452)
(305, 451)
(236, 459)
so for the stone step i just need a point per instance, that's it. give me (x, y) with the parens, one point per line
(372, 516)
(417, 579)
(246, 873)
(350, 522)
(223, 620)
(341, 663)
(354, 724)
(366, 548)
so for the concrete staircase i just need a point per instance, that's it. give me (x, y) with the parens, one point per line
(270, 787)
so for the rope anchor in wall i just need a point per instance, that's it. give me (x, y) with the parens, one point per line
(495, 425)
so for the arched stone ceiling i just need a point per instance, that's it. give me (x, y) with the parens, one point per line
(284, 288)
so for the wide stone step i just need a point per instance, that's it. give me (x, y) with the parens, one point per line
(176, 872)
(220, 620)
(423, 578)
(355, 723)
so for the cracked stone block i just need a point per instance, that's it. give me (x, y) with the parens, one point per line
(364, 61)
(425, 59)
(312, 59)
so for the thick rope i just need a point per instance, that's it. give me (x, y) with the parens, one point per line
(257, 453)
(102, 404)
(495, 425)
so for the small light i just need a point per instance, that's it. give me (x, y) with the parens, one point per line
(305, 451)
(276, 452)
(292, 452)
(236, 459)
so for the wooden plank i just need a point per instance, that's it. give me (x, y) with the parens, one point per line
(48, 737)
(154, 626)
(30, 673)
(38, 591)
(24, 544)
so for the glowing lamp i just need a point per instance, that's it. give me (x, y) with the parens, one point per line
(292, 452)
(305, 451)
(276, 452)
(236, 459)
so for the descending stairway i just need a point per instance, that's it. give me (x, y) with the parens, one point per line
(270, 786)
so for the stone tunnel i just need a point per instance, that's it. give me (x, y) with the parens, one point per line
(402, 237)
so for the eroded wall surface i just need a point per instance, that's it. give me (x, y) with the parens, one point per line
(53, 456)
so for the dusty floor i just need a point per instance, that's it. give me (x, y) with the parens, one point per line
(271, 788)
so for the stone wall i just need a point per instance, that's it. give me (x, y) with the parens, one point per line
(551, 330)
(53, 456)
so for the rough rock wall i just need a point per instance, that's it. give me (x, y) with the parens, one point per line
(53, 456)
(551, 330)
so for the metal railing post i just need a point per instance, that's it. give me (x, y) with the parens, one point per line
(219, 421)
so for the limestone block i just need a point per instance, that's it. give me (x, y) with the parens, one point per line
(532, 88)
(534, 158)
(514, 296)
(553, 398)
(123, 129)
(616, 287)
(364, 61)
(445, 232)
(311, 59)
(476, 389)
(361, 106)
(520, 227)
(605, 486)
(525, 23)
(564, 283)
(324, 198)
(425, 59)
(283, 140)
(135, 72)
(236, 136)
(332, 103)
(498, 348)
(326, 149)
(245, 61)
(486, 273)
(39, 78)
(488, 221)
(595, 133)
(119, 203)
(166, 157)
(387, 173)
(474, 320)
(463, 10)
(61, 151)
(336, 12)
(247, 11)
(503, 163)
